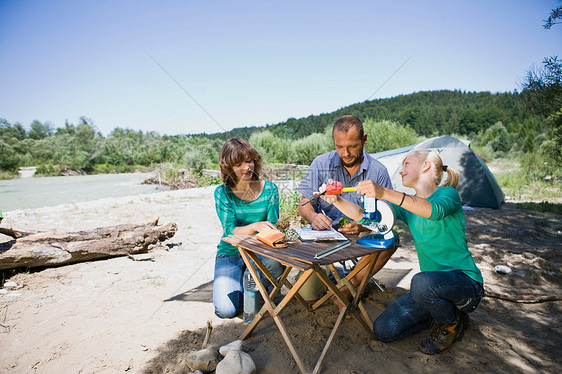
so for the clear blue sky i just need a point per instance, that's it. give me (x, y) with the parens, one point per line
(252, 63)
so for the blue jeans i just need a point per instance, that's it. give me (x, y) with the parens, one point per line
(227, 284)
(433, 295)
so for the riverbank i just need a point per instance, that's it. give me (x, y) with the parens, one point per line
(31, 193)
(120, 315)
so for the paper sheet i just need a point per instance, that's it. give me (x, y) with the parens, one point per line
(308, 234)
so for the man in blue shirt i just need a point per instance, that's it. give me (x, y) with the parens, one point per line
(348, 164)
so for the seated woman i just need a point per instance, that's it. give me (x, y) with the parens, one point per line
(245, 204)
(449, 285)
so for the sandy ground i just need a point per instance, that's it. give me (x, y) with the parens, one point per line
(124, 316)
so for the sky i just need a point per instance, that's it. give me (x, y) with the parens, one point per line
(187, 67)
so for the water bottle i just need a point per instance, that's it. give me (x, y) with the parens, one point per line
(252, 298)
(369, 208)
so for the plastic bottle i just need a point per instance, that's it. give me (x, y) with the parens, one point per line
(370, 209)
(252, 298)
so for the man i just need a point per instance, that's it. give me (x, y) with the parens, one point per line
(348, 164)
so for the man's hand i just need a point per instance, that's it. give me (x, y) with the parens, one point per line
(321, 222)
(352, 228)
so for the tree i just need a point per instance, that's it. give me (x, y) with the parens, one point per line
(543, 86)
(7, 157)
(385, 135)
(9, 131)
(543, 90)
(552, 147)
(555, 14)
(497, 138)
(40, 130)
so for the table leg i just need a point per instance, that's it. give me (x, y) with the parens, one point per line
(283, 281)
(269, 305)
(329, 341)
(263, 309)
(347, 306)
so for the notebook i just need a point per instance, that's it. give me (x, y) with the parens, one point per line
(308, 234)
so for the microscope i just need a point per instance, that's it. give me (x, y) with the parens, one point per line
(378, 216)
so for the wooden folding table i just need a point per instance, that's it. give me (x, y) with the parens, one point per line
(301, 256)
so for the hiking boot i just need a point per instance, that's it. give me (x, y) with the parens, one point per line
(465, 318)
(442, 336)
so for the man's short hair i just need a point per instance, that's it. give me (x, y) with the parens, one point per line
(344, 123)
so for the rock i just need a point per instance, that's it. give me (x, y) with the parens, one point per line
(502, 269)
(11, 285)
(529, 255)
(236, 362)
(482, 246)
(237, 345)
(176, 369)
(205, 360)
(3, 291)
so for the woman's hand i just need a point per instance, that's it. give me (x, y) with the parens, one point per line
(330, 199)
(253, 228)
(370, 189)
(262, 225)
(353, 211)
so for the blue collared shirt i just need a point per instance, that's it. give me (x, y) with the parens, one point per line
(328, 166)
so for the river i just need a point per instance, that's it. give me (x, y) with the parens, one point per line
(31, 193)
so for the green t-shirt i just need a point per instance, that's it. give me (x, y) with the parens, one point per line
(234, 212)
(440, 240)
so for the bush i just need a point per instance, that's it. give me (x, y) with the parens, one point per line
(497, 138)
(196, 159)
(385, 135)
(272, 148)
(288, 204)
(306, 149)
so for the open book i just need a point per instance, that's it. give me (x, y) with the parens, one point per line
(308, 234)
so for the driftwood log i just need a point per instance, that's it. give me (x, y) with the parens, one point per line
(55, 248)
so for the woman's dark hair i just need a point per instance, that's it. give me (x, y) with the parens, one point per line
(233, 153)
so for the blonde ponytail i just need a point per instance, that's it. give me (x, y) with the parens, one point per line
(453, 175)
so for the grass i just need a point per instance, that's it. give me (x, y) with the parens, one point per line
(527, 188)
(288, 205)
(5, 175)
(544, 207)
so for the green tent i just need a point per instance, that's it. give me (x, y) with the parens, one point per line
(477, 185)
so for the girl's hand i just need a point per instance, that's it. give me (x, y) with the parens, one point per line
(369, 189)
(330, 199)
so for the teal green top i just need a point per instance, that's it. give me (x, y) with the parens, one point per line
(234, 212)
(440, 240)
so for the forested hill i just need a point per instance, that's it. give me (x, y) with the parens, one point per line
(428, 113)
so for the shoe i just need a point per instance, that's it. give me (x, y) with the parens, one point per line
(465, 318)
(443, 336)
